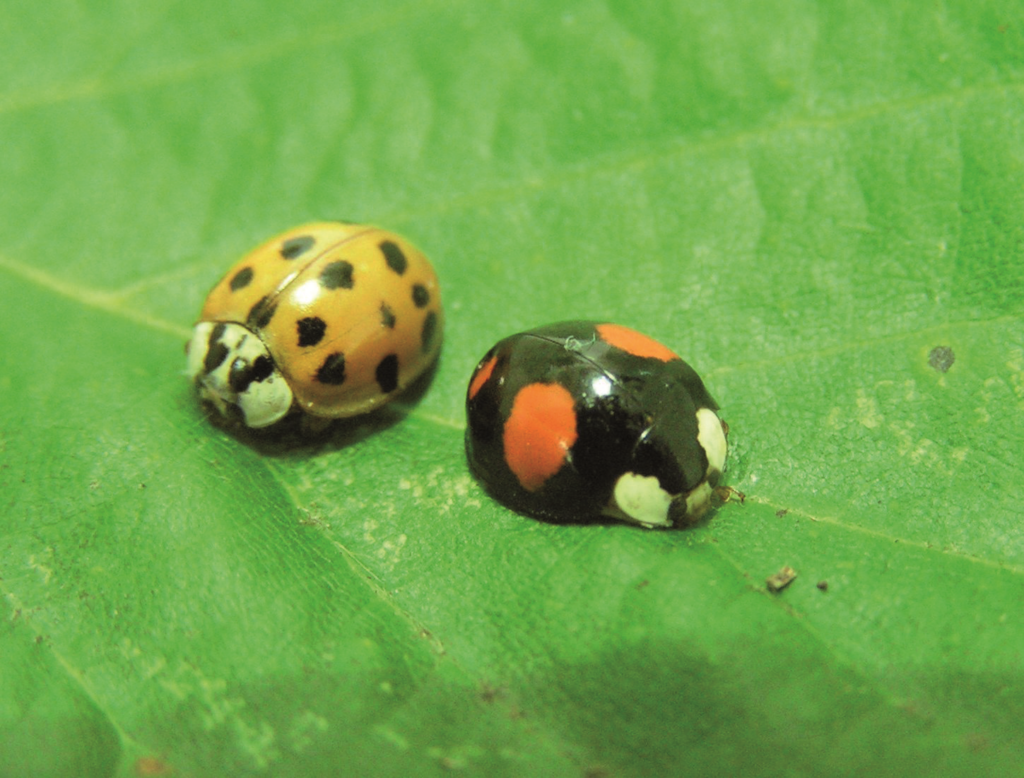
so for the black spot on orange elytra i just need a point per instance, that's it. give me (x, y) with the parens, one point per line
(387, 373)
(261, 313)
(420, 295)
(311, 331)
(428, 331)
(394, 256)
(241, 279)
(332, 371)
(293, 248)
(337, 275)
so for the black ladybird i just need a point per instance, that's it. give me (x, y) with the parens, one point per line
(581, 419)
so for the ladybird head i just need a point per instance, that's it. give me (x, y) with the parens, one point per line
(233, 371)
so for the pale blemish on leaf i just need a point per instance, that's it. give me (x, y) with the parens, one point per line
(1016, 365)
(867, 410)
(835, 417)
(36, 564)
(392, 737)
(216, 707)
(923, 452)
(369, 525)
(991, 391)
(258, 742)
(390, 550)
(407, 485)
(305, 728)
(456, 758)
(132, 652)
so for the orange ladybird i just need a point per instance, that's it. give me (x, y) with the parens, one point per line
(330, 319)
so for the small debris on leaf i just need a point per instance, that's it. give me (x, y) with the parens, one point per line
(489, 693)
(823, 585)
(941, 358)
(780, 580)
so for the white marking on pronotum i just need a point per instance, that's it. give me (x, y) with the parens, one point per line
(263, 401)
(711, 437)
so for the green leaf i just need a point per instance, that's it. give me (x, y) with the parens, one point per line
(817, 204)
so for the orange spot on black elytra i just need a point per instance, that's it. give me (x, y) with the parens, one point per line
(539, 433)
(481, 376)
(632, 342)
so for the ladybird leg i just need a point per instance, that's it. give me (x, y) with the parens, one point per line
(728, 494)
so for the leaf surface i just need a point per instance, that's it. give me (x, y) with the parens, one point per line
(817, 205)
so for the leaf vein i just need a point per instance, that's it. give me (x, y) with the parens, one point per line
(860, 345)
(921, 545)
(363, 572)
(92, 298)
(74, 675)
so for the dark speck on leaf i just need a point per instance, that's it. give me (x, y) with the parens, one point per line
(941, 358)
